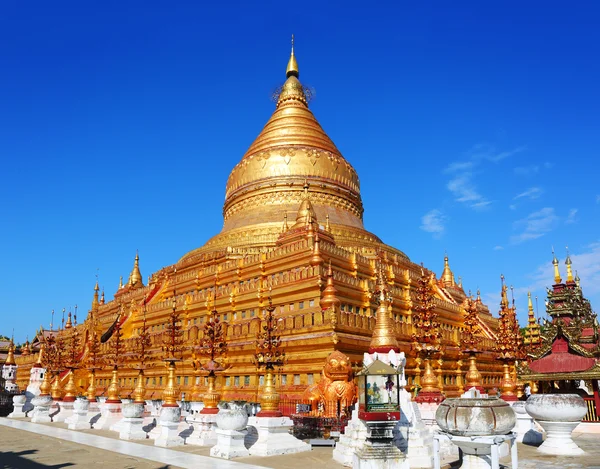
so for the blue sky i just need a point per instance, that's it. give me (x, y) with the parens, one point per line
(474, 129)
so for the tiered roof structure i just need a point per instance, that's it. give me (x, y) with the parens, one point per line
(569, 346)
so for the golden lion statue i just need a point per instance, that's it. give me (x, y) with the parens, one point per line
(336, 391)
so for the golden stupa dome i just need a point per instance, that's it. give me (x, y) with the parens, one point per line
(269, 184)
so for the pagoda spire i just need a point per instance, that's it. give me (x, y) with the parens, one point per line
(504, 296)
(569, 268)
(95, 302)
(10, 359)
(316, 258)
(135, 277)
(557, 278)
(384, 336)
(306, 213)
(329, 298)
(69, 324)
(447, 275)
(292, 66)
(102, 297)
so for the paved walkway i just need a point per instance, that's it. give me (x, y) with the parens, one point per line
(24, 445)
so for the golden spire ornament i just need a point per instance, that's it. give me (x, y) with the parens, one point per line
(557, 278)
(507, 345)
(212, 346)
(383, 338)
(142, 346)
(115, 356)
(73, 355)
(426, 339)
(269, 354)
(173, 348)
(470, 342)
(292, 66)
(93, 361)
(569, 268)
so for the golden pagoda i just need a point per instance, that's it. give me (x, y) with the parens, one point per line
(293, 232)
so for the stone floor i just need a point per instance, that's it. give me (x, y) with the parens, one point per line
(53, 446)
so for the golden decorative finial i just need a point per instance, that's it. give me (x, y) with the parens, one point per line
(327, 227)
(530, 312)
(10, 359)
(329, 298)
(503, 295)
(557, 278)
(447, 275)
(135, 278)
(120, 282)
(569, 269)
(292, 66)
(102, 297)
(285, 223)
(95, 302)
(384, 337)
(69, 324)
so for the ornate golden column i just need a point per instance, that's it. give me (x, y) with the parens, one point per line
(269, 355)
(91, 390)
(113, 388)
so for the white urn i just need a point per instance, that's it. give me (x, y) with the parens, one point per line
(133, 410)
(558, 415)
(235, 417)
(475, 416)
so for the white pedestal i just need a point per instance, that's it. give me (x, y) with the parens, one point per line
(109, 415)
(131, 429)
(79, 421)
(19, 402)
(60, 411)
(41, 411)
(204, 433)
(478, 452)
(168, 428)
(230, 444)
(558, 439)
(526, 430)
(373, 456)
(274, 437)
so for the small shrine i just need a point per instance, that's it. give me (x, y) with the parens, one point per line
(567, 357)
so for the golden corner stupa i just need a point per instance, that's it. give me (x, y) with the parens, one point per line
(293, 234)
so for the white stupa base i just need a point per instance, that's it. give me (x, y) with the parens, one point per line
(168, 434)
(41, 414)
(204, 433)
(274, 437)
(558, 439)
(61, 411)
(353, 438)
(427, 411)
(379, 456)
(78, 421)
(109, 415)
(131, 429)
(230, 444)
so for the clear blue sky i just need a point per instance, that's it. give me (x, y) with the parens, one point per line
(473, 126)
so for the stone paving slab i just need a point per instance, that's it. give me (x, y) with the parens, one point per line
(47, 450)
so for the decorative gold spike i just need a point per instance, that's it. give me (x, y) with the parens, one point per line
(557, 278)
(384, 336)
(292, 66)
(569, 268)
(447, 275)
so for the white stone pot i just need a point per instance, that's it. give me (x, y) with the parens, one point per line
(81, 405)
(133, 410)
(558, 415)
(170, 414)
(475, 416)
(556, 407)
(233, 418)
